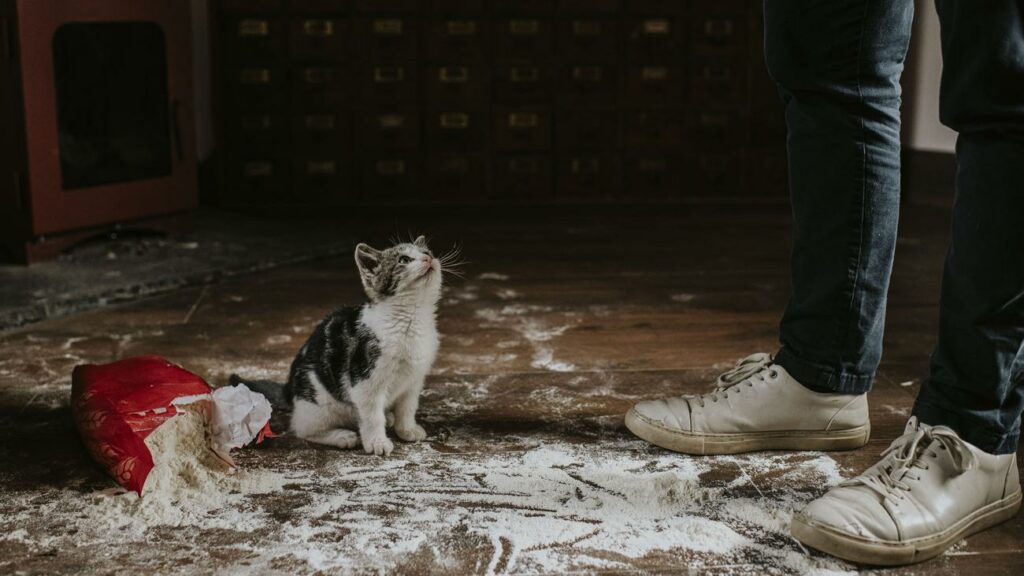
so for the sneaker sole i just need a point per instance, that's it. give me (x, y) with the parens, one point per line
(884, 553)
(704, 444)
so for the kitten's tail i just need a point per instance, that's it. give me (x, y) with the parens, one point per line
(275, 393)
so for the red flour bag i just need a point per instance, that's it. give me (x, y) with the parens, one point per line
(116, 406)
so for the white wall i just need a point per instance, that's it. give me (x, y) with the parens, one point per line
(922, 129)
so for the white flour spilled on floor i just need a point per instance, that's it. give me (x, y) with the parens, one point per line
(555, 508)
(535, 331)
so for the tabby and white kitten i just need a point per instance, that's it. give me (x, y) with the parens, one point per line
(363, 367)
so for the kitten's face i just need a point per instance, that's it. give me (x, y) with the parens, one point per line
(401, 270)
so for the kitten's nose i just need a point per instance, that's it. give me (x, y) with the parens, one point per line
(429, 260)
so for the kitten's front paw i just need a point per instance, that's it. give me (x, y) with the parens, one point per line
(379, 445)
(412, 434)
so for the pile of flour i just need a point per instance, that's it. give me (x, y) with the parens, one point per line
(187, 484)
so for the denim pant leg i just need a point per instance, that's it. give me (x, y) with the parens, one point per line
(837, 65)
(976, 382)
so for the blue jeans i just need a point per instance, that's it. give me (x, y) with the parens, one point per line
(837, 64)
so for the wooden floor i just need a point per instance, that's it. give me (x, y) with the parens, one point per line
(565, 318)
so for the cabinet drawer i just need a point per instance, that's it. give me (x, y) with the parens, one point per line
(390, 83)
(324, 39)
(655, 6)
(588, 39)
(319, 87)
(258, 87)
(455, 176)
(317, 6)
(522, 83)
(519, 39)
(455, 130)
(517, 129)
(587, 176)
(257, 134)
(586, 129)
(387, 177)
(653, 39)
(522, 177)
(386, 5)
(251, 6)
(653, 129)
(252, 38)
(318, 132)
(652, 176)
(720, 26)
(716, 174)
(718, 81)
(654, 85)
(257, 180)
(386, 38)
(588, 6)
(456, 39)
(588, 84)
(323, 178)
(455, 84)
(388, 130)
(719, 129)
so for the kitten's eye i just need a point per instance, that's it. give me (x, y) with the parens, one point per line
(404, 259)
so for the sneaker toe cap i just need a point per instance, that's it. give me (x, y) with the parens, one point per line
(671, 412)
(854, 511)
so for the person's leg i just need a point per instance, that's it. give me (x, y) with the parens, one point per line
(838, 66)
(976, 383)
(954, 472)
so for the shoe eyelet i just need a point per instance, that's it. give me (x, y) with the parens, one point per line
(773, 374)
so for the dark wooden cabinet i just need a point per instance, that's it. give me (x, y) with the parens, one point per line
(364, 101)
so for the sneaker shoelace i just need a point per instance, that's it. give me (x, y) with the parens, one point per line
(750, 370)
(909, 455)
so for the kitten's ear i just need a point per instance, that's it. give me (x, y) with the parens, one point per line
(367, 259)
(420, 242)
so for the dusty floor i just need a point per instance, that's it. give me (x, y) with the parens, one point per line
(562, 322)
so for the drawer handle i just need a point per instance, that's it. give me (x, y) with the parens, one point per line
(524, 74)
(321, 167)
(318, 28)
(586, 28)
(523, 166)
(587, 73)
(253, 28)
(390, 27)
(258, 169)
(318, 75)
(320, 122)
(718, 28)
(256, 123)
(523, 120)
(455, 120)
(654, 73)
(586, 166)
(524, 27)
(252, 76)
(453, 74)
(391, 121)
(383, 74)
(390, 167)
(461, 27)
(657, 26)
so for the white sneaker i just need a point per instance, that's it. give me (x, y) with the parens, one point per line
(757, 406)
(930, 489)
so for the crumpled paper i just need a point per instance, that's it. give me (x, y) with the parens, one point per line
(239, 416)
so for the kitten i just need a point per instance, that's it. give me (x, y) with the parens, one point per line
(364, 366)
